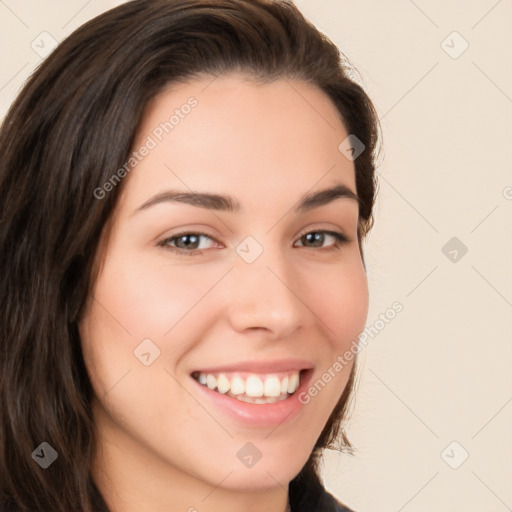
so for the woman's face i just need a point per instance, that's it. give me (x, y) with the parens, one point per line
(224, 270)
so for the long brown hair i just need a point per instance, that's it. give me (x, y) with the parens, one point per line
(71, 127)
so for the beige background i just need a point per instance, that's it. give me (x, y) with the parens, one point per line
(441, 370)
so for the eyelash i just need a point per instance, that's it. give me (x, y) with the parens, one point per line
(341, 240)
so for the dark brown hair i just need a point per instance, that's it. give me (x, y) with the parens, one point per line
(71, 127)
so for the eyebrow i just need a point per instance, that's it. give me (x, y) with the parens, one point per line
(230, 204)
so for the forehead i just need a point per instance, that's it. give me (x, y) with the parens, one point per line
(231, 135)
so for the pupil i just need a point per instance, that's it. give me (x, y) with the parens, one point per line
(187, 241)
(315, 239)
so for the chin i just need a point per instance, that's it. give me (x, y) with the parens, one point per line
(261, 477)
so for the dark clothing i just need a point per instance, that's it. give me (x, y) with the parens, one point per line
(326, 503)
(329, 503)
(307, 494)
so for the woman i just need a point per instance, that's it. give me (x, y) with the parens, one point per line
(186, 186)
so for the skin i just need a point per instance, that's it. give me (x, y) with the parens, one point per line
(161, 445)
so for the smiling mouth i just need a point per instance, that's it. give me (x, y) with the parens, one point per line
(252, 387)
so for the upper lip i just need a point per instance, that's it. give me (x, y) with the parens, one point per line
(277, 365)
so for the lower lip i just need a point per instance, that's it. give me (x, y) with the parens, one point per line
(259, 415)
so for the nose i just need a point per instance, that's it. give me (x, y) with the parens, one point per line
(265, 296)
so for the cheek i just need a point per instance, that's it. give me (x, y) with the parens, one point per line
(339, 297)
(133, 301)
(149, 300)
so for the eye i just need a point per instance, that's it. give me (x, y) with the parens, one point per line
(315, 239)
(189, 243)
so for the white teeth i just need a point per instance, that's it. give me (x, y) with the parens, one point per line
(254, 388)
(272, 387)
(293, 383)
(237, 386)
(211, 381)
(222, 384)
(264, 400)
(284, 385)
